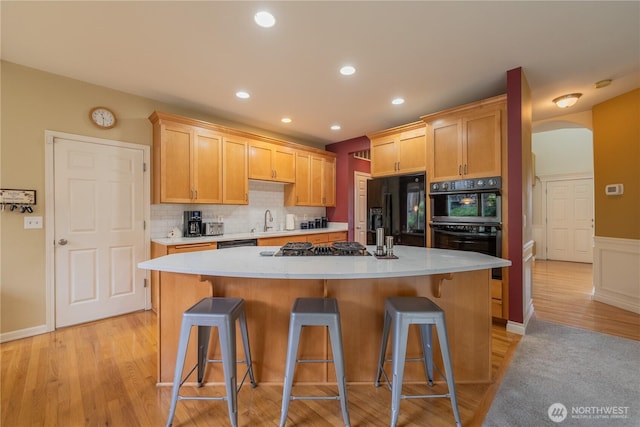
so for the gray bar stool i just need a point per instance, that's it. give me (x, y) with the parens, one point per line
(402, 312)
(314, 312)
(221, 313)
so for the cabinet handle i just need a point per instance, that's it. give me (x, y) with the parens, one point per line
(465, 168)
(196, 192)
(459, 169)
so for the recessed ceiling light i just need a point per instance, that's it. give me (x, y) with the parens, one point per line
(347, 70)
(264, 19)
(286, 120)
(335, 127)
(397, 101)
(243, 95)
(602, 83)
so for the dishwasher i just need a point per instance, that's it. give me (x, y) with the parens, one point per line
(237, 243)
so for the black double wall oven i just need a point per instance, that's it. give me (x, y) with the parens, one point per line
(467, 215)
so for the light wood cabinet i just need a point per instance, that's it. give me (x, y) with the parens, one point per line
(158, 250)
(399, 150)
(316, 239)
(315, 183)
(271, 162)
(466, 142)
(187, 163)
(235, 177)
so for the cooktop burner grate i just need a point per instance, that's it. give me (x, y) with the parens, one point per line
(337, 248)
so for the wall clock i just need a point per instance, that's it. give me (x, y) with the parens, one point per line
(103, 117)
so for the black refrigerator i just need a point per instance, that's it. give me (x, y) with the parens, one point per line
(397, 203)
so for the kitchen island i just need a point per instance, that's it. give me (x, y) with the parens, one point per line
(459, 282)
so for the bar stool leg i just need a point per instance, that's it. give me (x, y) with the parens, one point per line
(383, 346)
(228, 349)
(185, 329)
(446, 359)
(204, 334)
(427, 351)
(292, 354)
(400, 336)
(247, 347)
(335, 334)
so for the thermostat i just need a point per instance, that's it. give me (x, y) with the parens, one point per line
(614, 190)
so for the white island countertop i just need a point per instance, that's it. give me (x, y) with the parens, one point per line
(248, 262)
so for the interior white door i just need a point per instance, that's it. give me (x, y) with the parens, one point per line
(360, 207)
(99, 231)
(570, 220)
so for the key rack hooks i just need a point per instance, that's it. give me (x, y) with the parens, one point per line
(21, 200)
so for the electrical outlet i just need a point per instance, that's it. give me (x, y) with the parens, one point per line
(32, 222)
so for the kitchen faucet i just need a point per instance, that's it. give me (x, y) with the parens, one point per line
(267, 213)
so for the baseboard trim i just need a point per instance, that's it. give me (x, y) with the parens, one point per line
(23, 333)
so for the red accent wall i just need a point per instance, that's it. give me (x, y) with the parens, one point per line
(346, 164)
(514, 188)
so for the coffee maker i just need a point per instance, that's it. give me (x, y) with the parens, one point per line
(192, 223)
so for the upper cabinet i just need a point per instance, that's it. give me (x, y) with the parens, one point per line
(187, 162)
(466, 142)
(315, 180)
(399, 150)
(235, 176)
(271, 162)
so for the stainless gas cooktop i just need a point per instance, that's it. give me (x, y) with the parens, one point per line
(334, 249)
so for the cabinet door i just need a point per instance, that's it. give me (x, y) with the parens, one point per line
(302, 187)
(329, 182)
(383, 157)
(482, 144)
(284, 164)
(207, 167)
(175, 168)
(412, 151)
(260, 166)
(316, 170)
(235, 181)
(446, 148)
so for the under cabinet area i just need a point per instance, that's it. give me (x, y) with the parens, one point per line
(466, 142)
(399, 150)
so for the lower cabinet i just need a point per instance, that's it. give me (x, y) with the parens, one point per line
(316, 239)
(158, 250)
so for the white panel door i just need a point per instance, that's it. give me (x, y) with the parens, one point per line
(99, 231)
(570, 220)
(360, 207)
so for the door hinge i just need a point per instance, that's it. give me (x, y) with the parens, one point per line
(144, 224)
(144, 167)
(145, 282)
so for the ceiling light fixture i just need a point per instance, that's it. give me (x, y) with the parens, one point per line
(243, 95)
(286, 120)
(264, 19)
(347, 70)
(335, 127)
(566, 101)
(397, 101)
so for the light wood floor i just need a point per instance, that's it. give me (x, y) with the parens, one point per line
(103, 373)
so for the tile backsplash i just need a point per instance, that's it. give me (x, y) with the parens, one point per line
(237, 218)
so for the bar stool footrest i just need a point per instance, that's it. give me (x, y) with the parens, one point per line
(315, 398)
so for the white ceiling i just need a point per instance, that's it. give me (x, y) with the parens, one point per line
(434, 54)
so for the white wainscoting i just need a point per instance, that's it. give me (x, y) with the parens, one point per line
(616, 272)
(527, 296)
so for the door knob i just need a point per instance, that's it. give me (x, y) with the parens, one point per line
(62, 242)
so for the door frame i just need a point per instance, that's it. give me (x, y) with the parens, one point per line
(544, 179)
(355, 199)
(49, 214)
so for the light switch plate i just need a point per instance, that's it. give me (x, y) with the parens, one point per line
(32, 222)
